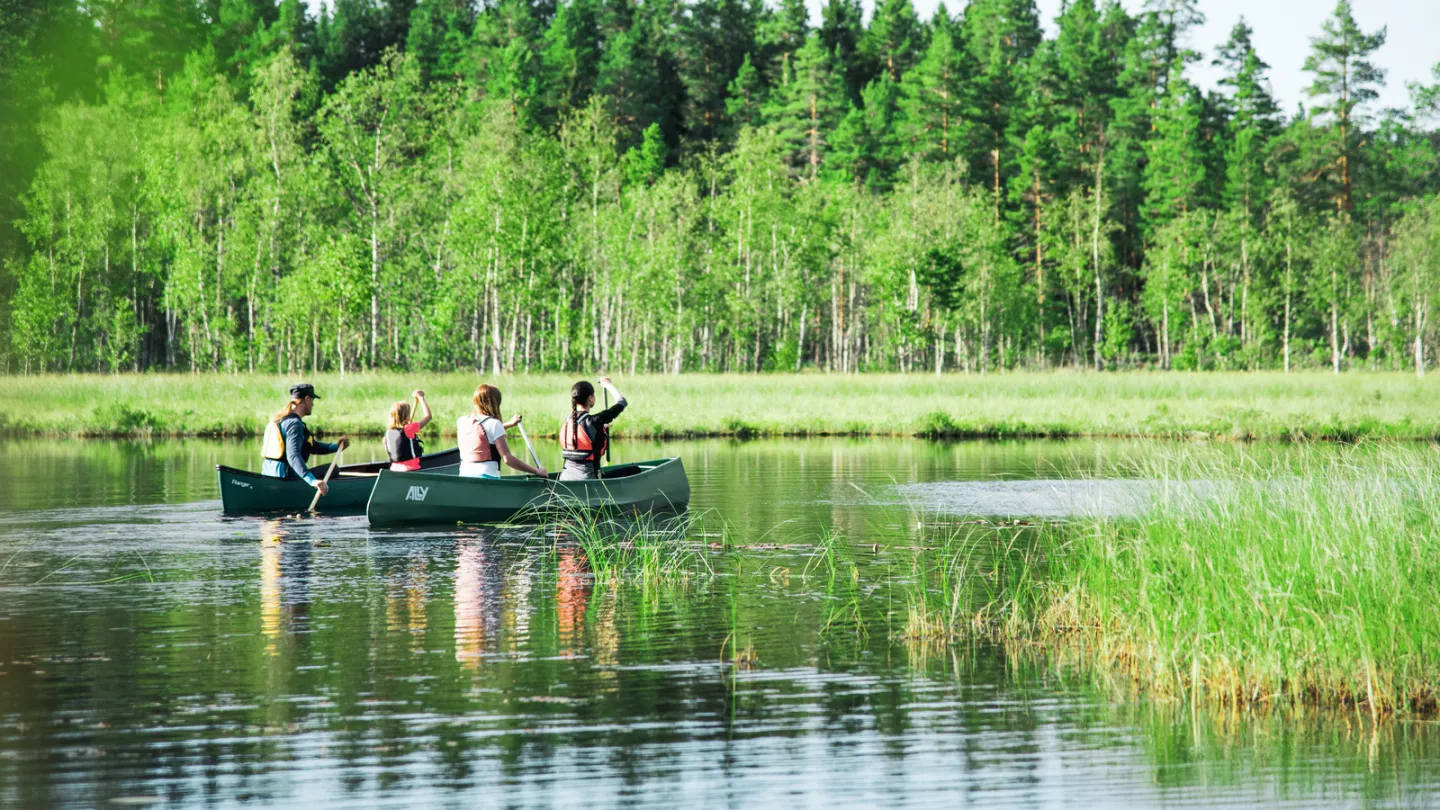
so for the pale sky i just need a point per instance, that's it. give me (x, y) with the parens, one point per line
(1283, 29)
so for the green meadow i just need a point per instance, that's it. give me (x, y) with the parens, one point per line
(1269, 405)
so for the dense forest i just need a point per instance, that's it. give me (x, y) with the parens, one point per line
(657, 185)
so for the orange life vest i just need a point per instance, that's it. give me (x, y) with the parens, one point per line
(475, 445)
(575, 441)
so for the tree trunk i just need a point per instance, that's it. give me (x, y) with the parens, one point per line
(800, 345)
(374, 278)
(1095, 258)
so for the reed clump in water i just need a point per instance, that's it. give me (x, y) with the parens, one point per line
(619, 546)
(1307, 579)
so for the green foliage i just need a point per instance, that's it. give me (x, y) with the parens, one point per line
(710, 186)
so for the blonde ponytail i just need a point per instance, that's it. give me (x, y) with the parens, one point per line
(285, 411)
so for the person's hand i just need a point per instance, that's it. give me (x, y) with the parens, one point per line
(605, 382)
(515, 420)
(418, 394)
(540, 471)
(322, 486)
(343, 443)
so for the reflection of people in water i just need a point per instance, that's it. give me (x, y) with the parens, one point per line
(409, 595)
(574, 585)
(286, 566)
(285, 569)
(479, 594)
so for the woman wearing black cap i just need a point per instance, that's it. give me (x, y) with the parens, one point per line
(288, 443)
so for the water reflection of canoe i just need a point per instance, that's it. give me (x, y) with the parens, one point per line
(243, 492)
(423, 497)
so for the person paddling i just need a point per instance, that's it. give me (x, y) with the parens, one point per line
(402, 436)
(585, 435)
(288, 444)
(482, 438)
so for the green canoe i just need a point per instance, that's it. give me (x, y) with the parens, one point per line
(243, 492)
(422, 497)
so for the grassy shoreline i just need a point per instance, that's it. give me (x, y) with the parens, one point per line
(1061, 404)
(1283, 585)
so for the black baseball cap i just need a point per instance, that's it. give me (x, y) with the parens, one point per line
(302, 390)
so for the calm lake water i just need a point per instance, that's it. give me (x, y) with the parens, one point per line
(153, 652)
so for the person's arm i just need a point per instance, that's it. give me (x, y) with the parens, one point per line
(319, 448)
(503, 448)
(294, 439)
(608, 415)
(425, 406)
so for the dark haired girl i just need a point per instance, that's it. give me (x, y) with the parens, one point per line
(584, 435)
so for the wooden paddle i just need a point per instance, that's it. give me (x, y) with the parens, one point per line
(607, 434)
(328, 473)
(529, 446)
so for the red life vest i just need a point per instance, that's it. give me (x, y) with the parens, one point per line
(474, 442)
(575, 442)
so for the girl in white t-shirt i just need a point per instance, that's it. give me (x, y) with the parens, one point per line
(482, 438)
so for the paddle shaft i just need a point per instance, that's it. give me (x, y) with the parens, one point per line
(529, 446)
(607, 435)
(333, 464)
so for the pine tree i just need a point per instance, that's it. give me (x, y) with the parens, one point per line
(780, 33)
(933, 101)
(1253, 114)
(1426, 98)
(645, 163)
(238, 33)
(1078, 77)
(149, 38)
(746, 98)
(1000, 36)
(439, 35)
(395, 22)
(806, 109)
(865, 148)
(294, 29)
(717, 34)
(503, 57)
(350, 39)
(1345, 81)
(1175, 18)
(626, 79)
(571, 55)
(841, 29)
(1175, 172)
(894, 41)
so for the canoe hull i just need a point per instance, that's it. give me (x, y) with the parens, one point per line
(243, 492)
(420, 498)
